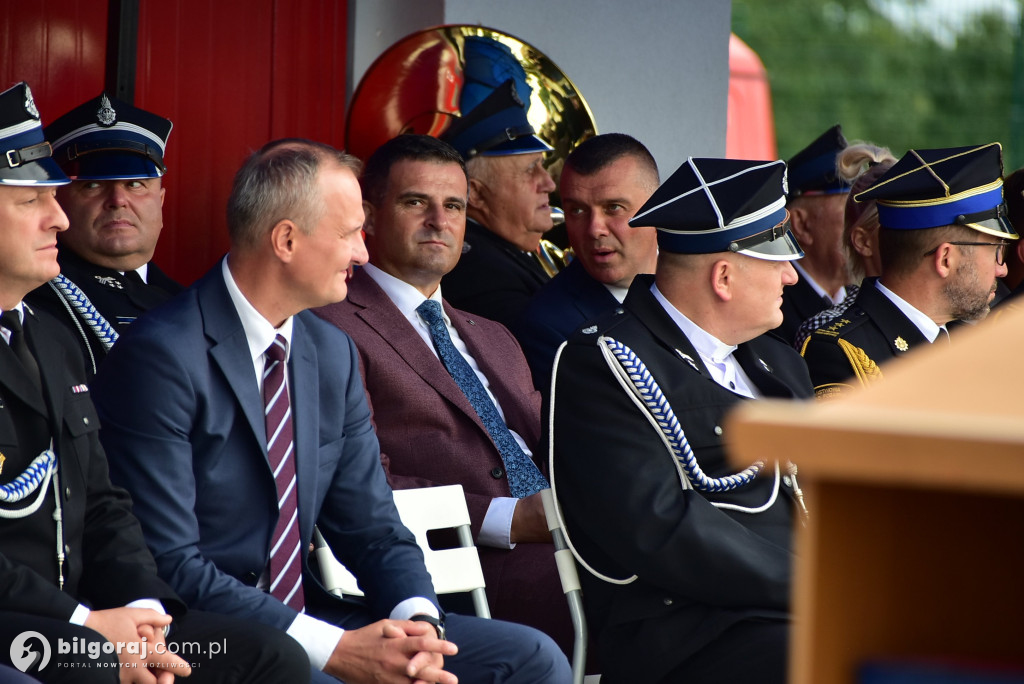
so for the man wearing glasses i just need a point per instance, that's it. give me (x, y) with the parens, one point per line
(943, 241)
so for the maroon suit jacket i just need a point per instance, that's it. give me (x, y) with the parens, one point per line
(430, 434)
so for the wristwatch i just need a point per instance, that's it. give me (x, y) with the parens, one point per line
(437, 622)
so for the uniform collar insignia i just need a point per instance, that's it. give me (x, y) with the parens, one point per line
(109, 281)
(901, 344)
(688, 359)
(30, 104)
(2, 459)
(765, 365)
(106, 114)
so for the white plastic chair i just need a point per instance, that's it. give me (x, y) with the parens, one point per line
(570, 578)
(421, 510)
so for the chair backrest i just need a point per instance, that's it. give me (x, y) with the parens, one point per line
(421, 510)
(568, 574)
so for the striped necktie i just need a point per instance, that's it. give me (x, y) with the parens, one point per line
(285, 556)
(524, 478)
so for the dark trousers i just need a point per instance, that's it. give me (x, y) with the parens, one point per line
(749, 652)
(490, 651)
(219, 648)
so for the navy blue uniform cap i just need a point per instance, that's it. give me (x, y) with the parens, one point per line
(931, 188)
(498, 126)
(107, 139)
(723, 205)
(812, 170)
(25, 156)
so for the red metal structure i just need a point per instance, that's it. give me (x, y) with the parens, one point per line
(230, 74)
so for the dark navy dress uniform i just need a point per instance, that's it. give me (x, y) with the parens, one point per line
(570, 299)
(494, 278)
(711, 570)
(850, 351)
(119, 297)
(701, 570)
(106, 139)
(811, 171)
(925, 189)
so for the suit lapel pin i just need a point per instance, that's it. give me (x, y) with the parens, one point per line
(590, 330)
(765, 365)
(901, 344)
(688, 359)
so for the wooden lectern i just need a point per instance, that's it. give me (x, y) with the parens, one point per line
(914, 547)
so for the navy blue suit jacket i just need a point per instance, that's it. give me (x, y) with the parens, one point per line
(559, 308)
(184, 429)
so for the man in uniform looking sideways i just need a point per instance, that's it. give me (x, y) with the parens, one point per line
(700, 562)
(943, 238)
(604, 181)
(113, 152)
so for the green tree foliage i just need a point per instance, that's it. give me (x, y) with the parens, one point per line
(895, 85)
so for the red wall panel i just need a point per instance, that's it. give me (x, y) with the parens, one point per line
(58, 47)
(233, 75)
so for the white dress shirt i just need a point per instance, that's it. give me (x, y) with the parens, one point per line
(717, 356)
(921, 321)
(317, 637)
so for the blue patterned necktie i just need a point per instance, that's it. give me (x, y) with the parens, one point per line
(524, 478)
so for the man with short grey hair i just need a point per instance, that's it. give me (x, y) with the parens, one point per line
(508, 210)
(261, 430)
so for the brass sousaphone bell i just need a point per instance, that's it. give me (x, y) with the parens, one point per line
(417, 85)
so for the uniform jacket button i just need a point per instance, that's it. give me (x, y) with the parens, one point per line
(718, 430)
(497, 472)
(667, 601)
(85, 420)
(67, 492)
(250, 578)
(787, 481)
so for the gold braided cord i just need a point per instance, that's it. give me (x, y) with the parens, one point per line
(948, 199)
(864, 369)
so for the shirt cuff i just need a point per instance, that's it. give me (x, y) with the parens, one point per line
(152, 604)
(317, 637)
(417, 605)
(80, 615)
(496, 529)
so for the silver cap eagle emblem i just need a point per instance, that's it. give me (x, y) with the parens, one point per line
(106, 114)
(30, 104)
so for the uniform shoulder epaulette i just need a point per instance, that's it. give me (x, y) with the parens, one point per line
(852, 319)
(865, 371)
